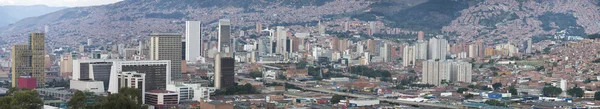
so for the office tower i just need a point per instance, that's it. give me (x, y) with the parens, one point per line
(21, 66)
(373, 46)
(346, 26)
(343, 46)
(480, 49)
(321, 28)
(46, 29)
(89, 42)
(372, 27)
(438, 48)
(193, 39)
(288, 45)
(421, 35)
(408, 57)
(263, 47)
(47, 62)
(529, 45)
(93, 69)
(66, 64)
(281, 40)
(224, 72)
(258, 27)
(434, 72)
(421, 50)
(461, 72)
(28, 60)
(386, 52)
(224, 41)
(132, 80)
(167, 46)
(37, 46)
(335, 42)
(158, 73)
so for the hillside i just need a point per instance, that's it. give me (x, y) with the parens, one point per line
(126, 20)
(12, 14)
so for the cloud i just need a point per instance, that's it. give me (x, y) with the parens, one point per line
(68, 3)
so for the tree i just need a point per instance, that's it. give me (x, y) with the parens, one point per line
(471, 86)
(497, 85)
(22, 99)
(512, 90)
(462, 90)
(551, 91)
(256, 74)
(469, 96)
(336, 99)
(575, 92)
(77, 101)
(494, 103)
(597, 95)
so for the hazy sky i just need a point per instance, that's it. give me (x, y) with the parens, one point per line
(56, 3)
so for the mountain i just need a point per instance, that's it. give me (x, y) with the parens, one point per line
(12, 14)
(468, 20)
(134, 19)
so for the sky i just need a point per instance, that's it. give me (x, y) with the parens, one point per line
(58, 3)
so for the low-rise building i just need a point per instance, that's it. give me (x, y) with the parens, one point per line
(160, 99)
(88, 85)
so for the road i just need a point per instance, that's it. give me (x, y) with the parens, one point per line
(420, 104)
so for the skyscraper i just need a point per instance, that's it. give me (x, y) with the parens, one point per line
(20, 56)
(29, 59)
(224, 72)
(224, 42)
(386, 52)
(193, 39)
(167, 46)
(224, 62)
(421, 35)
(529, 45)
(281, 40)
(408, 57)
(461, 72)
(37, 44)
(421, 49)
(438, 48)
(434, 72)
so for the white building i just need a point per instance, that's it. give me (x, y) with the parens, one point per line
(438, 48)
(90, 85)
(185, 92)
(158, 73)
(408, 57)
(193, 40)
(131, 80)
(421, 50)
(461, 71)
(434, 72)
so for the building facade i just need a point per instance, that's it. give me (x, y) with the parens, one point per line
(167, 46)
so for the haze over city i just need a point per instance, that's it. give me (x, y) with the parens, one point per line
(299, 54)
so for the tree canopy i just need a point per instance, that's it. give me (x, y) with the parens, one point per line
(336, 99)
(21, 99)
(551, 91)
(497, 85)
(256, 74)
(575, 92)
(461, 90)
(494, 103)
(597, 95)
(238, 89)
(512, 90)
(127, 98)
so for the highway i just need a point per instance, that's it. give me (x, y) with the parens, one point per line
(420, 104)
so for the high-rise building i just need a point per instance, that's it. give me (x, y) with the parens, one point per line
(193, 39)
(421, 35)
(158, 73)
(437, 72)
(386, 52)
(167, 46)
(29, 60)
(37, 44)
(343, 46)
(461, 72)
(421, 50)
(408, 57)
(434, 72)
(438, 48)
(224, 43)
(335, 43)
(66, 64)
(529, 46)
(224, 71)
(258, 27)
(281, 40)
(21, 65)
